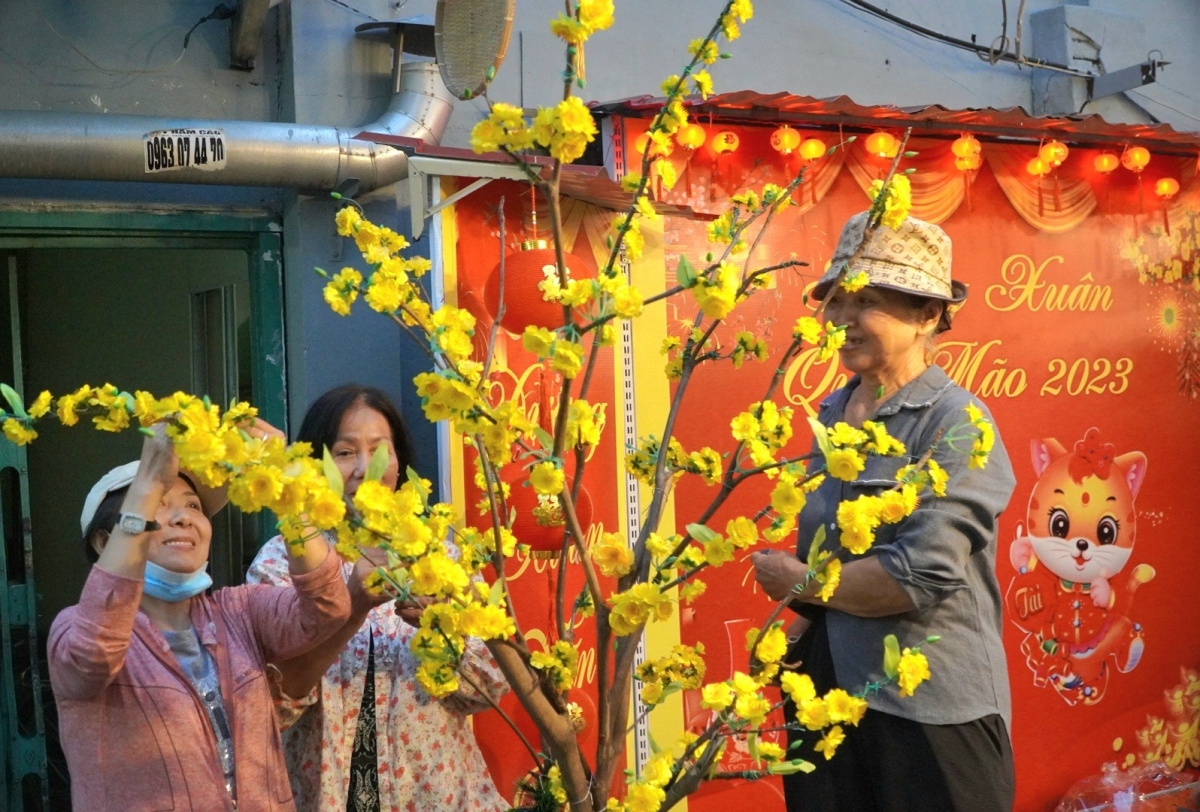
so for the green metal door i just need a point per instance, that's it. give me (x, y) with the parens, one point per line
(166, 303)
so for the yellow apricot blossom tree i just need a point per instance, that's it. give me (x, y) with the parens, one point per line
(433, 552)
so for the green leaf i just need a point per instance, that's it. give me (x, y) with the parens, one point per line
(14, 400)
(820, 434)
(933, 638)
(701, 533)
(685, 274)
(798, 765)
(544, 438)
(752, 744)
(910, 170)
(332, 475)
(814, 549)
(891, 656)
(496, 593)
(418, 484)
(911, 154)
(379, 463)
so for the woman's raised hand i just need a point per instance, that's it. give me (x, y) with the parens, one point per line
(262, 430)
(159, 465)
(363, 600)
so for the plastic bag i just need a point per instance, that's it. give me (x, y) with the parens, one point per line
(1152, 787)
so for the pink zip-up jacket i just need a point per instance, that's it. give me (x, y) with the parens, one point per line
(135, 731)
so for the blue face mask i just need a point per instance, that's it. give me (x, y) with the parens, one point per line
(173, 587)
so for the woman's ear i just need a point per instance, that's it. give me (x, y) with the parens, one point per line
(99, 541)
(931, 314)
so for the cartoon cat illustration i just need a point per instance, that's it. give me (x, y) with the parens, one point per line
(1069, 595)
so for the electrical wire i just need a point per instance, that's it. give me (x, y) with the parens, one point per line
(981, 50)
(221, 12)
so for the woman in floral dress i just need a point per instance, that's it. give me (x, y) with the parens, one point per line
(363, 734)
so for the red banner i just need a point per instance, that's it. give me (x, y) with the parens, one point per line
(1093, 378)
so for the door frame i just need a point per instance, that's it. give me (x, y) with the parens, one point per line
(261, 236)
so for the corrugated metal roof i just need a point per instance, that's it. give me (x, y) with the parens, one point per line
(1014, 123)
(591, 184)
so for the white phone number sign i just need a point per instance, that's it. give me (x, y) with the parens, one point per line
(166, 150)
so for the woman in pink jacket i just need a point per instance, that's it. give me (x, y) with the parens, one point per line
(161, 689)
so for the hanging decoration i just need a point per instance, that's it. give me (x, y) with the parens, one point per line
(968, 157)
(1166, 188)
(785, 140)
(1054, 153)
(882, 144)
(1105, 163)
(812, 149)
(1135, 159)
(1039, 169)
(691, 137)
(723, 143)
(524, 272)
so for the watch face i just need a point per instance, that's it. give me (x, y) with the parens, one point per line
(133, 524)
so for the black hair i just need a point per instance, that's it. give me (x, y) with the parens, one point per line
(324, 418)
(103, 521)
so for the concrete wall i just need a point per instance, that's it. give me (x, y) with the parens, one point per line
(127, 56)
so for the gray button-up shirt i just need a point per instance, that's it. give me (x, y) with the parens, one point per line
(943, 556)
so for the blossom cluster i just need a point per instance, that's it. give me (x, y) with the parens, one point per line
(892, 204)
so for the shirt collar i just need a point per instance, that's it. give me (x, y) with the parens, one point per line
(919, 393)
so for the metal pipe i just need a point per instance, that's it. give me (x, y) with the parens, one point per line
(94, 146)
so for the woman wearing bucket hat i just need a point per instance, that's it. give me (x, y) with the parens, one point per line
(161, 689)
(366, 737)
(946, 747)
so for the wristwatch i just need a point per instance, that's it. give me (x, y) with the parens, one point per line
(135, 525)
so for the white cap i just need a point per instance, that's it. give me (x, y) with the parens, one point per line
(211, 499)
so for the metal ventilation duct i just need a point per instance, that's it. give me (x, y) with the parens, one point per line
(93, 146)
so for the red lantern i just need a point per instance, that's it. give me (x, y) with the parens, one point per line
(1037, 167)
(523, 271)
(882, 144)
(812, 149)
(1166, 188)
(1105, 162)
(966, 146)
(725, 141)
(1135, 159)
(968, 163)
(785, 140)
(539, 520)
(691, 136)
(1053, 153)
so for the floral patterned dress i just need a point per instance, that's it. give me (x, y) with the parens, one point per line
(427, 754)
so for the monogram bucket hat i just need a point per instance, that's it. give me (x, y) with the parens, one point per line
(914, 258)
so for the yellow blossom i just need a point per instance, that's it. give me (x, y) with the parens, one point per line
(830, 741)
(844, 463)
(716, 696)
(41, 405)
(854, 282)
(912, 671)
(537, 340)
(18, 433)
(798, 686)
(567, 358)
(829, 578)
(546, 478)
(612, 555)
(938, 478)
(897, 200)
